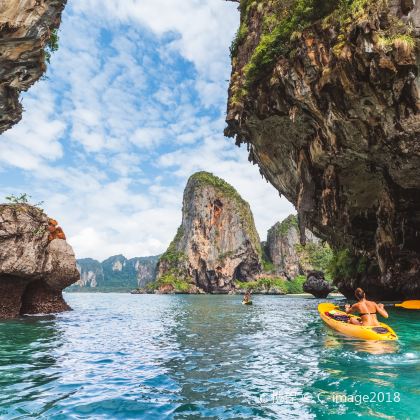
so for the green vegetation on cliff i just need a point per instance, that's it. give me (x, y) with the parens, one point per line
(175, 280)
(23, 198)
(172, 255)
(52, 44)
(204, 178)
(290, 222)
(267, 265)
(344, 265)
(281, 285)
(282, 23)
(316, 255)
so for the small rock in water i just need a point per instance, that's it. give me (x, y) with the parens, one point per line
(316, 285)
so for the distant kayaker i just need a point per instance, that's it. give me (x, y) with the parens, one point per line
(366, 309)
(247, 296)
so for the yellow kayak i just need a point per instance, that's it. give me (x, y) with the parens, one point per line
(328, 312)
(247, 303)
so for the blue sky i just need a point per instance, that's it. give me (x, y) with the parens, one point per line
(133, 103)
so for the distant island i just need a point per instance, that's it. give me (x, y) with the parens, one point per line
(115, 274)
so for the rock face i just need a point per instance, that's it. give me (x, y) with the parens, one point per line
(317, 285)
(116, 273)
(283, 248)
(33, 270)
(217, 242)
(327, 99)
(26, 27)
(91, 274)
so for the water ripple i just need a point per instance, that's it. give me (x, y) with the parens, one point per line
(120, 357)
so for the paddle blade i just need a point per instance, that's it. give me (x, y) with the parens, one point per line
(409, 304)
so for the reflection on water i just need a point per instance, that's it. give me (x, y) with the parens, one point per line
(123, 356)
(334, 340)
(376, 347)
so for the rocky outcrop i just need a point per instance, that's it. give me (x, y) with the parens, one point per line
(27, 28)
(317, 285)
(116, 273)
(326, 97)
(216, 244)
(33, 270)
(284, 251)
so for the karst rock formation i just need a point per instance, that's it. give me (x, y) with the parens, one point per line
(34, 267)
(326, 98)
(217, 242)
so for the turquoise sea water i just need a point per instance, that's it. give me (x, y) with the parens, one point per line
(120, 356)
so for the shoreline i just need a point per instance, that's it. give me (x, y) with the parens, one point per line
(330, 296)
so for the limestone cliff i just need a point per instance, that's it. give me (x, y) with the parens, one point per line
(27, 30)
(33, 269)
(284, 251)
(217, 242)
(116, 273)
(326, 96)
(91, 274)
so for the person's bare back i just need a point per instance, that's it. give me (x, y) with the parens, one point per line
(366, 309)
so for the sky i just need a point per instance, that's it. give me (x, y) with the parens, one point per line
(132, 104)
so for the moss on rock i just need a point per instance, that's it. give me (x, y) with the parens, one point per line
(281, 285)
(172, 254)
(290, 222)
(281, 26)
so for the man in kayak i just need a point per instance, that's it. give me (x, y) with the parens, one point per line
(366, 309)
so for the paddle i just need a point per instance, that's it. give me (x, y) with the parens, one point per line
(409, 304)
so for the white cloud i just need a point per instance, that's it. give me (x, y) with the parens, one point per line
(28, 146)
(148, 137)
(205, 28)
(110, 139)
